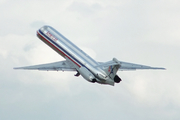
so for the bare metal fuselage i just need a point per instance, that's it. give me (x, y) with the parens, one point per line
(83, 63)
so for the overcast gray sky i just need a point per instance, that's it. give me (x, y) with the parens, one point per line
(138, 31)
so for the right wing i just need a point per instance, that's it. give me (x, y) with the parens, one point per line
(125, 66)
(56, 66)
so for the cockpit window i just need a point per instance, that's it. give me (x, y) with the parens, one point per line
(44, 28)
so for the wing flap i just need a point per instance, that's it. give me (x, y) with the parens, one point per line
(56, 66)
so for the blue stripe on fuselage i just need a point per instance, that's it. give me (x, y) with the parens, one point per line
(63, 50)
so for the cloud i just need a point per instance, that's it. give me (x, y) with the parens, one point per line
(144, 32)
(37, 24)
(2, 1)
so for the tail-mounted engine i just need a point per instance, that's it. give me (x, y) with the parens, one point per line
(117, 79)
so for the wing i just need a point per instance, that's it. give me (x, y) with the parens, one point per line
(56, 66)
(132, 66)
(125, 66)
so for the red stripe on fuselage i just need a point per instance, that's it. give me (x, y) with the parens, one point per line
(57, 49)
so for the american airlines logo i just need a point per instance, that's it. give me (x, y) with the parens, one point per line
(110, 68)
(51, 36)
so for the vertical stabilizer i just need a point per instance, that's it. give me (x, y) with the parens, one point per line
(112, 70)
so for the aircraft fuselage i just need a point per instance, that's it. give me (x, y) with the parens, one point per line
(83, 63)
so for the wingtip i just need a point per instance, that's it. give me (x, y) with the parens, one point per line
(160, 68)
(17, 68)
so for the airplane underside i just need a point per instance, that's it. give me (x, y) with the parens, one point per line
(116, 79)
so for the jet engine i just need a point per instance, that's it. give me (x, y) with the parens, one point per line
(86, 74)
(117, 79)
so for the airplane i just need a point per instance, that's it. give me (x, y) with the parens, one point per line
(79, 61)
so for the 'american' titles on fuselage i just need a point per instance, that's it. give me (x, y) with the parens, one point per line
(84, 64)
(51, 36)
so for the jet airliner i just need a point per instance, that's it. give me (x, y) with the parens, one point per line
(78, 61)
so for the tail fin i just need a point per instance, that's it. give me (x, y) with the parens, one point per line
(112, 70)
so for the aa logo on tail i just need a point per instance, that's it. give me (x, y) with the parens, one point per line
(110, 69)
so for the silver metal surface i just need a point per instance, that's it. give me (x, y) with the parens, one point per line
(67, 49)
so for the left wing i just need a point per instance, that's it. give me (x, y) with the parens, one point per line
(56, 66)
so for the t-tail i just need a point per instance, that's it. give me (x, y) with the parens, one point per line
(112, 70)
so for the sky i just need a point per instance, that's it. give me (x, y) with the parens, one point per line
(137, 31)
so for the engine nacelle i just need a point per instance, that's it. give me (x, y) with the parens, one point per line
(117, 79)
(86, 74)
